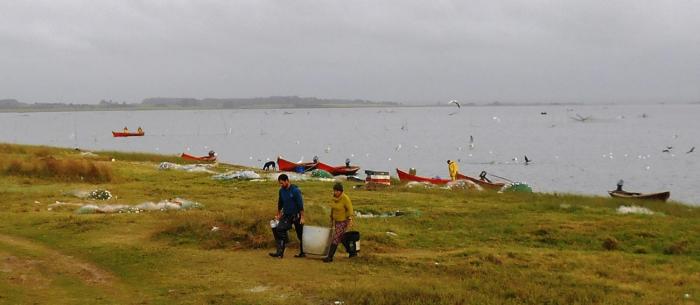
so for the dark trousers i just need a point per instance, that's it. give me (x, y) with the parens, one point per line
(286, 222)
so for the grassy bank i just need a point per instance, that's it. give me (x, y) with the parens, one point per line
(449, 247)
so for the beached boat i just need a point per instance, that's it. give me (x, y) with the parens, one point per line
(406, 177)
(338, 170)
(119, 134)
(195, 158)
(662, 196)
(495, 186)
(288, 166)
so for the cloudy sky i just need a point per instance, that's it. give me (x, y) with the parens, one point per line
(407, 51)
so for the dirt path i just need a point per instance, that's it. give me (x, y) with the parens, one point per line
(33, 265)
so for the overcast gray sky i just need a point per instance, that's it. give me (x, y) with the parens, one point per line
(405, 51)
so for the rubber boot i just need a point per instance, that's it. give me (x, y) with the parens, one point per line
(331, 252)
(350, 247)
(280, 249)
(301, 250)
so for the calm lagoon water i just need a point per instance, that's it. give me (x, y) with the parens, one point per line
(617, 142)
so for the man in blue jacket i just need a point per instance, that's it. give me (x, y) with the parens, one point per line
(290, 211)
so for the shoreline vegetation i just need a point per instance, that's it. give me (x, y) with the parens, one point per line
(446, 246)
(273, 102)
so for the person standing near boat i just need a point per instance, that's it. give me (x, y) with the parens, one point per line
(290, 211)
(341, 218)
(453, 168)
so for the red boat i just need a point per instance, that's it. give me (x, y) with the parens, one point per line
(405, 177)
(287, 166)
(494, 186)
(195, 158)
(338, 170)
(119, 134)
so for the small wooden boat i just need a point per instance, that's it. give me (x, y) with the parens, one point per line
(494, 186)
(288, 166)
(119, 134)
(406, 177)
(662, 196)
(338, 170)
(195, 158)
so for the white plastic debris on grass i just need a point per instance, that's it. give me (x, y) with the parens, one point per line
(89, 154)
(192, 168)
(299, 177)
(359, 214)
(633, 209)
(164, 205)
(94, 194)
(413, 184)
(237, 175)
(462, 185)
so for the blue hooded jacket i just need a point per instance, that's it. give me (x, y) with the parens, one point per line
(290, 200)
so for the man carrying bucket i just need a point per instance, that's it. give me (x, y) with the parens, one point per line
(290, 210)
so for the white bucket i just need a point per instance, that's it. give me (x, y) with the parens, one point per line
(316, 240)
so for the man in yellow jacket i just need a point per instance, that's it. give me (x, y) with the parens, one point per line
(453, 168)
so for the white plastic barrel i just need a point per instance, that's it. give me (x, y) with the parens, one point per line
(316, 240)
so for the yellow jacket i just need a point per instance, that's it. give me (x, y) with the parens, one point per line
(341, 208)
(454, 169)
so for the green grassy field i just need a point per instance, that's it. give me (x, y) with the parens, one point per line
(450, 246)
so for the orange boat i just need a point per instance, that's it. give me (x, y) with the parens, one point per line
(288, 166)
(120, 134)
(405, 177)
(494, 186)
(195, 158)
(338, 170)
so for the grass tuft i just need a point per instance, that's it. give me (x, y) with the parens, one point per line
(62, 169)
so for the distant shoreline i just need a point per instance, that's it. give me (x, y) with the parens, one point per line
(15, 107)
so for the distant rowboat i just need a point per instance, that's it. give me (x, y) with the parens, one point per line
(662, 196)
(119, 134)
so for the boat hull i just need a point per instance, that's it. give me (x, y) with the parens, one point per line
(494, 186)
(195, 158)
(121, 134)
(338, 170)
(406, 177)
(661, 196)
(287, 166)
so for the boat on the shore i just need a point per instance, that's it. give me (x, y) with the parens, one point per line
(209, 158)
(120, 134)
(662, 196)
(288, 166)
(338, 170)
(406, 177)
(494, 186)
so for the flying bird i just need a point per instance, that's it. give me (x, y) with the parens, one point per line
(691, 150)
(456, 103)
(527, 160)
(581, 118)
(668, 149)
